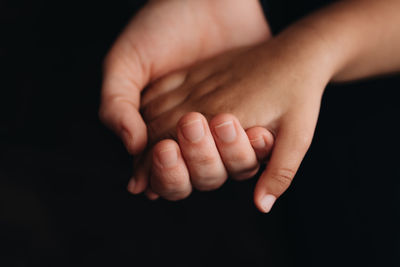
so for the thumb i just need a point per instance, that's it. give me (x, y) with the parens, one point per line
(120, 100)
(290, 147)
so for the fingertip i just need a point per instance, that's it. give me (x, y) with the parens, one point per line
(128, 141)
(262, 141)
(141, 175)
(131, 186)
(124, 119)
(151, 195)
(264, 198)
(134, 133)
(265, 203)
(138, 185)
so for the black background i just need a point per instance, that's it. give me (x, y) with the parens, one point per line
(63, 175)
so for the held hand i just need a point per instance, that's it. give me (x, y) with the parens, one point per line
(273, 85)
(165, 36)
(203, 157)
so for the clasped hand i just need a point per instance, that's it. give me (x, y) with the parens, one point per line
(211, 111)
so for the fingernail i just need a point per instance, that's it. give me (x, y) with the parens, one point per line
(168, 158)
(267, 202)
(193, 131)
(226, 131)
(258, 143)
(131, 185)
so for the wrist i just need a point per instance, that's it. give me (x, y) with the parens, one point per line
(357, 37)
(303, 54)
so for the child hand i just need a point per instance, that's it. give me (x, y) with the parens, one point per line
(277, 85)
(203, 163)
(202, 158)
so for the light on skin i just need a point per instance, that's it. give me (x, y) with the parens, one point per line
(345, 41)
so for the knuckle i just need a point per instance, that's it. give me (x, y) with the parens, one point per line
(245, 174)
(210, 179)
(204, 160)
(206, 171)
(177, 195)
(170, 188)
(171, 182)
(283, 177)
(241, 165)
(168, 181)
(244, 171)
(244, 160)
(208, 184)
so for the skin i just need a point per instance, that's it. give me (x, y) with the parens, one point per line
(268, 100)
(148, 49)
(283, 81)
(140, 56)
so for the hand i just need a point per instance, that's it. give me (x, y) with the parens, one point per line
(203, 163)
(277, 85)
(165, 36)
(204, 157)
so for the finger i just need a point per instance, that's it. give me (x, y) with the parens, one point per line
(124, 119)
(141, 173)
(163, 86)
(161, 105)
(120, 97)
(262, 141)
(234, 147)
(290, 147)
(150, 194)
(132, 184)
(169, 174)
(207, 171)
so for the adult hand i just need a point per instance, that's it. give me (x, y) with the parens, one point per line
(165, 36)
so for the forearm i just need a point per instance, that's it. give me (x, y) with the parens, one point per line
(362, 35)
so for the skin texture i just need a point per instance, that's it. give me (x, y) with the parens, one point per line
(277, 85)
(268, 100)
(148, 48)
